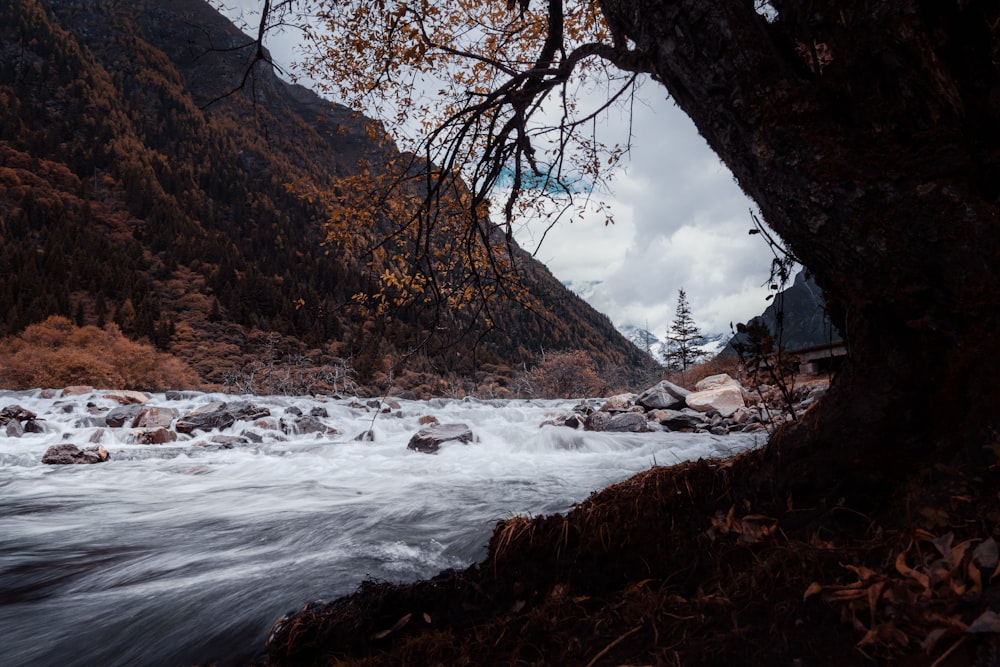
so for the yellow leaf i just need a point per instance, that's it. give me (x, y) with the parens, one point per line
(814, 588)
(907, 571)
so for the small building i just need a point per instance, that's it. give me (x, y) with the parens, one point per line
(823, 358)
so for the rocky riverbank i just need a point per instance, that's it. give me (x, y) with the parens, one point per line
(718, 405)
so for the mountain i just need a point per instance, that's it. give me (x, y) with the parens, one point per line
(140, 183)
(797, 317)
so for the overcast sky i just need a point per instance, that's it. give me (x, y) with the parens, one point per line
(680, 222)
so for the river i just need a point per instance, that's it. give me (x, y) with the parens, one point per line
(182, 553)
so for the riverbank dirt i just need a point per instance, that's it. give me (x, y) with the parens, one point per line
(695, 564)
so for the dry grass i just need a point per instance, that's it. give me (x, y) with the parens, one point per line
(690, 565)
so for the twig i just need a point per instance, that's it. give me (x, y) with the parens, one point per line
(949, 651)
(613, 644)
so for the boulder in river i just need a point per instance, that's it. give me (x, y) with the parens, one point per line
(208, 417)
(247, 411)
(627, 422)
(121, 415)
(71, 454)
(152, 436)
(306, 424)
(126, 397)
(597, 421)
(430, 438)
(15, 412)
(717, 392)
(618, 403)
(154, 417)
(663, 396)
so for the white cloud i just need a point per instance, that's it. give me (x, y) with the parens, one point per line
(681, 222)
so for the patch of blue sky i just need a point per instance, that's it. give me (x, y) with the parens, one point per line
(547, 182)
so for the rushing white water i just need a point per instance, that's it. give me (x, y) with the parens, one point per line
(179, 554)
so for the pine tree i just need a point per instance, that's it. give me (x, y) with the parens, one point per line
(681, 335)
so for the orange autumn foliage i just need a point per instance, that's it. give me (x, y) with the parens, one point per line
(56, 353)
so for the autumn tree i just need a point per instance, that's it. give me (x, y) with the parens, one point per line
(681, 336)
(866, 134)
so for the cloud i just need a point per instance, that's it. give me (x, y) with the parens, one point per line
(680, 221)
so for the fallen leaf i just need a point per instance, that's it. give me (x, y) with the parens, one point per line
(908, 571)
(974, 576)
(399, 625)
(814, 588)
(864, 573)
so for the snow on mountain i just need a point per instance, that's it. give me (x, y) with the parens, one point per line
(656, 346)
(582, 288)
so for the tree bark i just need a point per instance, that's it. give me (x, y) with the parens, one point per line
(868, 135)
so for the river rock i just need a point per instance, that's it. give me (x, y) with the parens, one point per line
(228, 441)
(597, 421)
(430, 438)
(618, 403)
(663, 396)
(14, 429)
(306, 424)
(121, 415)
(15, 413)
(34, 426)
(627, 422)
(70, 454)
(726, 400)
(717, 392)
(679, 420)
(208, 417)
(180, 395)
(152, 436)
(77, 390)
(126, 397)
(245, 410)
(714, 381)
(151, 417)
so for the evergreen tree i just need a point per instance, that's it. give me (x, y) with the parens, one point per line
(683, 332)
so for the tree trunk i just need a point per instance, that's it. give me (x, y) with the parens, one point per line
(869, 138)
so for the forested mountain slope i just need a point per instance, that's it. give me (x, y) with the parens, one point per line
(140, 184)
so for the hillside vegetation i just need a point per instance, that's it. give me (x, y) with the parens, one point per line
(140, 186)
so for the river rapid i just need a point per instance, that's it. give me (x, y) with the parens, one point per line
(187, 552)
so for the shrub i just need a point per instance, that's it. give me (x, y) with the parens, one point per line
(565, 375)
(57, 353)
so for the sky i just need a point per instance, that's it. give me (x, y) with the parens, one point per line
(681, 222)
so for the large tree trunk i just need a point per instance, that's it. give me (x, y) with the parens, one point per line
(868, 135)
